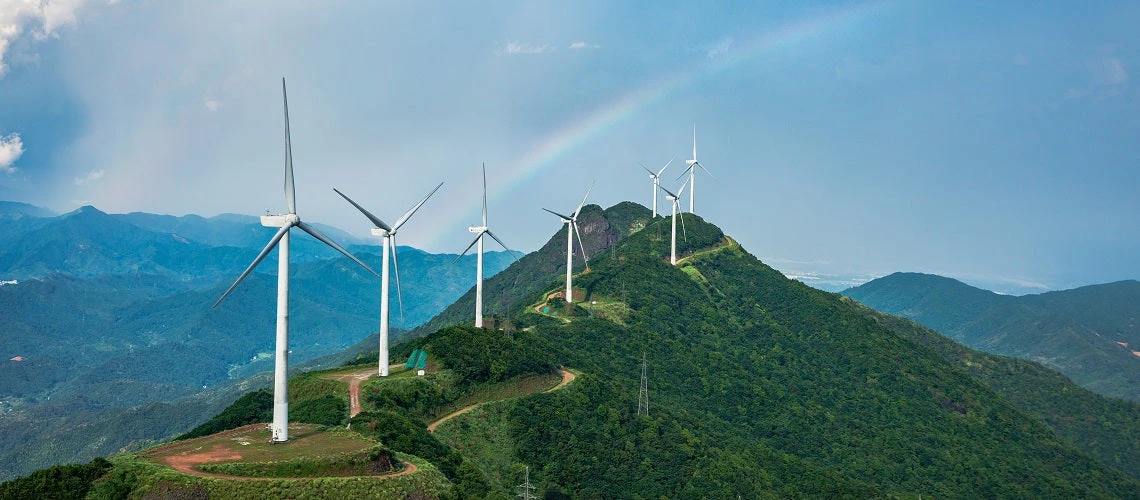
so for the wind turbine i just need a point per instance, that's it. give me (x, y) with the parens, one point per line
(388, 235)
(479, 232)
(280, 425)
(676, 199)
(693, 164)
(572, 229)
(656, 177)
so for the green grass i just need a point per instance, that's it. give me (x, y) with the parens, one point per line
(510, 389)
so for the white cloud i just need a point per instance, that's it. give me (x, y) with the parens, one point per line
(90, 177)
(584, 45)
(44, 17)
(211, 104)
(516, 47)
(11, 148)
(1109, 71)
(1107, 77)
(722, 46)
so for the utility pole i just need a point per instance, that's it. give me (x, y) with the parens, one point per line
(526, 491)
(643, 397)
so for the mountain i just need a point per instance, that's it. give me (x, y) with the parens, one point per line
(1090, 334)
(761, 386)
(88, 242)
(600, 231)
(232, 230)
(15, 210)
(108, 319)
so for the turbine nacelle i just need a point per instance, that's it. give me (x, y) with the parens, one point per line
(477, 229)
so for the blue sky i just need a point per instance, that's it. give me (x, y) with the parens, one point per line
(994, 142)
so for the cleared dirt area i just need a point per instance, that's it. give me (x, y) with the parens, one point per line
(251, 443)
(354, 378)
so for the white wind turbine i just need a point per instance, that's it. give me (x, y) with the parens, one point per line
(280, 425)
(388, 235)
(572, 229)
(656, 178)
(676, 199)
(479, 232)
(692, 170)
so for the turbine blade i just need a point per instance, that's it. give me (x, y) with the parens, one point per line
(374, 219)
(484, 194)
(705, 169)
(290, 191)
(260, 257)
(666, 166)
(647, 169)
(580, 205)
(683, 186)
(683, 230)
(694, 141)
(408, 215)
(684, 172)
(399, 294)
(473, 242)
(668, 192)
(581, 246)
(504, 245)
(564, 217)
(325, 239)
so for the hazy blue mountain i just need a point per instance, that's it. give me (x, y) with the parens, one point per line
(225, 230)
(1089, 334)
(15, 209)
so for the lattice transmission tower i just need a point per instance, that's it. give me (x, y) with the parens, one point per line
(526, 490)
(643, 396)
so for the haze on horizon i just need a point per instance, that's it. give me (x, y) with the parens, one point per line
(992, 143)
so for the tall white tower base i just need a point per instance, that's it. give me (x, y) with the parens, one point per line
(569, 261)
(383, 361)
(280, 426)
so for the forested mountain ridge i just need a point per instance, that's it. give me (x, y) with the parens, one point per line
(1091, 334)
(762, 386)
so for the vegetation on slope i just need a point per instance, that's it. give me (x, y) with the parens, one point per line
(1107, 429)
(761, 385)
(1088, 333)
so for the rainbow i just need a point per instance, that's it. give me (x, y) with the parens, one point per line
(551, 149)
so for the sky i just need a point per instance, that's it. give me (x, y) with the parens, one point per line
(994, 142)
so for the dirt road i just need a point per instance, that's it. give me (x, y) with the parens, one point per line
(567, 377)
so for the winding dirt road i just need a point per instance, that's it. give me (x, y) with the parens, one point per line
(567, 377)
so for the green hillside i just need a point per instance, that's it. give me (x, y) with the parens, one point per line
(1107, 429)
(763, 386)
(1089, 333)
(759, 387)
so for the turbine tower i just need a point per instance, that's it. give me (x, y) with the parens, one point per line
(280, 425)
(656, 178)
(692, 170)
(676, 199)
(388, 235)
(571, 222)
(479, 232)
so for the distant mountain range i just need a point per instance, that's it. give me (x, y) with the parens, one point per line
(1091, 334)
(112, 311)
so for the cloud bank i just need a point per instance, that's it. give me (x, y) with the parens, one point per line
(11, 148)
